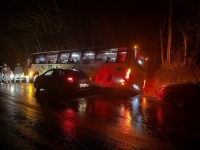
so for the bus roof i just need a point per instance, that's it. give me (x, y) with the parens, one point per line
(106, 46)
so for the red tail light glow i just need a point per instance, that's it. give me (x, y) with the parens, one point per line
(127, 74)
(70, 79)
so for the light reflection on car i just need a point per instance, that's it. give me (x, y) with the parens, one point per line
(181, 95)
(63, 81)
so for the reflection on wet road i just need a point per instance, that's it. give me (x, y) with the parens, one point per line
(88, 121)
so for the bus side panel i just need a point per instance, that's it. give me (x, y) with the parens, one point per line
(90, 69)
(41, 68)
(136, 81)
(113, 75)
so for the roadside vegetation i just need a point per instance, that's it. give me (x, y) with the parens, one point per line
(174, 72)
(179, 59)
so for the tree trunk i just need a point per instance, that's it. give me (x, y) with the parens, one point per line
(169, 32)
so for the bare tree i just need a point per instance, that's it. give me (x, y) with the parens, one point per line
(40, 21)
(169, 31)
(189, 28)
(161, 40)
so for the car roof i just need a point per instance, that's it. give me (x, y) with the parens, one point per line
(69, 70)
(65, 69)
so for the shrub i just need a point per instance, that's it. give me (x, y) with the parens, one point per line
(173, 72)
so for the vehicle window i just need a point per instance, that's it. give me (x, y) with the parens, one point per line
(88, 56)
(51, 58)
(112, 55)
(75, 57)
(63, 57)
(121, 57)
(107, 56)
(56, 73)
(48, 73)
(79, 74)
(40, 58)
(140, 59)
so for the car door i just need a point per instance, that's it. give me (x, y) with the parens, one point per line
(45, 81)
(56, 79)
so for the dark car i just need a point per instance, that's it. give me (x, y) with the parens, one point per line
(63, 81)
(182, 95)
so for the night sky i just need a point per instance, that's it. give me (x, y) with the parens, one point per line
(84, 24)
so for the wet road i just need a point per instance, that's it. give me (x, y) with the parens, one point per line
(88, 121)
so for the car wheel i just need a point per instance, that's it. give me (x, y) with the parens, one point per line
(178, 100)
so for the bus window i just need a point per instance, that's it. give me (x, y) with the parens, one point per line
(71, 60)
(76, 56)
(108, 55)
(140, 58)
(51, 58)
(40, 58)
(121, 57)
(88, 56)
(63, 57)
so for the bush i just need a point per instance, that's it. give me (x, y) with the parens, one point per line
(173, 72)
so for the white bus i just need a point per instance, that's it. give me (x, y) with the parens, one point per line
(117, 66)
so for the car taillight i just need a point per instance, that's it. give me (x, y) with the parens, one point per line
(127, 74)
(70, 79)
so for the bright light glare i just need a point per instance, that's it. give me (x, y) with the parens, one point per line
(121, 80)
(31, 74)
(140, 62)
(144, 84)
(128, 74)
(135, 86)
(75, 55)
(70, 79)
(12, 76)
(89, 54)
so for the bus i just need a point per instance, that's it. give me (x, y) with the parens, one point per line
(114, 66)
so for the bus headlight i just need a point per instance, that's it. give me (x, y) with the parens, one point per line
(135, 86)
